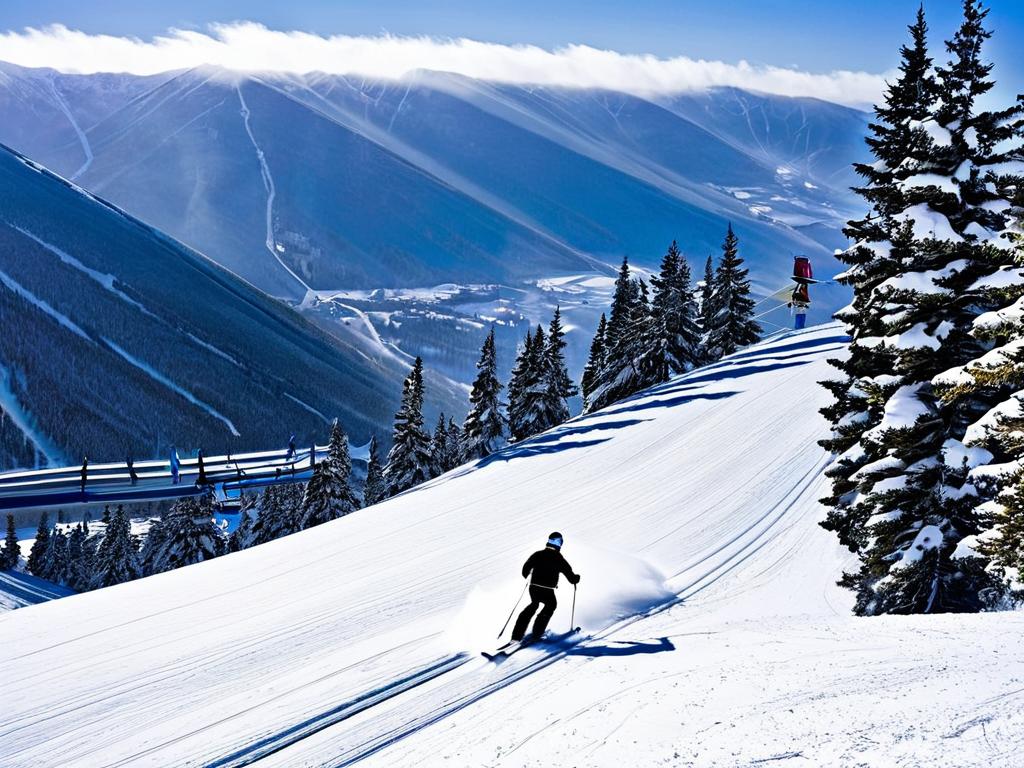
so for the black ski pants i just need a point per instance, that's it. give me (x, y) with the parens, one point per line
(538, 596)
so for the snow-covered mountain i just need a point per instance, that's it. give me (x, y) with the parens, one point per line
(118, 338)
(342, 183)
(713, 632)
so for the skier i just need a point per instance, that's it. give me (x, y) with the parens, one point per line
(131, 469)
(291, 447)
(85, 471)
(544, 565)
(201, 480)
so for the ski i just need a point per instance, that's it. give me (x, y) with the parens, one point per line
(506, 650)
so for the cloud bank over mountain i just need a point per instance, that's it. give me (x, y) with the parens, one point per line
(249, 46)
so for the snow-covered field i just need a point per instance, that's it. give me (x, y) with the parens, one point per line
(694, 504)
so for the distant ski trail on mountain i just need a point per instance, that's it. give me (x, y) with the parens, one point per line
(63, 106)
(159, 377)
(268, 184)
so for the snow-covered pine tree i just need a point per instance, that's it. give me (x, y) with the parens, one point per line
(707, 310)
(270, 522)
(117, 560)
(454, 434)
(37, 555)
(485, 429)
(914, 491)
(439, 446)
(328, 493)
(279, 512)
(244, 536)
(188, 534)
(535, 401)
(733, 325)
(561, 384)
(55, 558)
(374, 491)
(619, 376)
(522, 387)
(11, 553)
(881, 248)
(409, 458)
(78, 572)
(595, 362)
(675, 315)
(651, 339)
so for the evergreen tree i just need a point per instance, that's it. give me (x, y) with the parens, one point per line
(620, 375)
(899, 144)
(519, 383)
(188, 534)
(707, 308)
(439, 458)
(595, 362)
(55, 557)
(562, 385)
(409, 458)
(37, 556)
(651, 340)
(244, 536)
(733, 325)
(279, 512)
(675, 317)
(117, 559)
(78, 572)
(328, 493)
(535, 400)
(11, 552)
(454, 433)
(922, 270)
(374, 491)
(484, 430)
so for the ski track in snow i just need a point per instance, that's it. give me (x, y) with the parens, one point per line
(327, 648)
(82, 138)
(268, 184)
(159, 377)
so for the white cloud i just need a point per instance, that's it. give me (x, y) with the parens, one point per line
(248, 46)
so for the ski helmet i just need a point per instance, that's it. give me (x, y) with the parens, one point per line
(555, 540)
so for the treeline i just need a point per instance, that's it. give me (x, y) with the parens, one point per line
(669, 327)
(649, 334)
(928, 487)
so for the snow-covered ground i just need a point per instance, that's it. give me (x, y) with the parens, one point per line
(714, 633)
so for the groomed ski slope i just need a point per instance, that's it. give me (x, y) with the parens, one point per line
(349, 642)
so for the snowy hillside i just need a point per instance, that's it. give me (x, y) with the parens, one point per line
(118, 338)
(713, 634)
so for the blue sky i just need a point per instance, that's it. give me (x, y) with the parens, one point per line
(811, 35)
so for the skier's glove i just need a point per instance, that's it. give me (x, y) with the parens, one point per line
(575, 579)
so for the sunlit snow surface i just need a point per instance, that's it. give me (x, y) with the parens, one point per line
(348, 642)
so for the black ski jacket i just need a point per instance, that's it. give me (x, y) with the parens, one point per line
(546, 564)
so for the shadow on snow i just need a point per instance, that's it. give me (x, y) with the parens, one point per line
(622, 648)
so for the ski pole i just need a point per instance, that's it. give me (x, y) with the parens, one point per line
(572, 621)
(505, 625)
